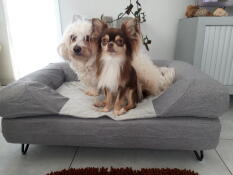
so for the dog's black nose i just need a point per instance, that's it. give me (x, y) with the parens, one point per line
(110, 45)
(77, 49)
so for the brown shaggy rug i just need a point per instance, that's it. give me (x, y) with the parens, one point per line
(123, 171)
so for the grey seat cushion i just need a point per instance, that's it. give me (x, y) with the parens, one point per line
(183, 133)
(192, 94)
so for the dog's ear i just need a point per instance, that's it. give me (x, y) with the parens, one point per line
(131, 28)
(98, 26)
(63, 51)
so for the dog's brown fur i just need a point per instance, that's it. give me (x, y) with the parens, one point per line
(127, 86)
(191, 10)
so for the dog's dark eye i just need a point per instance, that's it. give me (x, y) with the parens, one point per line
(87, 38)
(120, 42)
(104, 41)
(73, 38)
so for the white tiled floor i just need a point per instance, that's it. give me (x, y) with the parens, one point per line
(212, 165)
(39, 161)
(42, 159)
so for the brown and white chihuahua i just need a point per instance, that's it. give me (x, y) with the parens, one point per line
(116, 76)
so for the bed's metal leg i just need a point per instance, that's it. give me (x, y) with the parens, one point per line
(24, 148)
(199, 156)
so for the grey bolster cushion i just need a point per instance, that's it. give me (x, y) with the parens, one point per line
(24, 99)
(54, 75)
(192, 94)
(35, 93)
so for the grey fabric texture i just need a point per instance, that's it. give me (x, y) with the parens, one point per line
(35, 93)
(53, 75)
(193, 94)
(22, 99)
(69, 74)
(182, 133)
(23, 103)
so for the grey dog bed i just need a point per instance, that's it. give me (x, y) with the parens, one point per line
(186, 115)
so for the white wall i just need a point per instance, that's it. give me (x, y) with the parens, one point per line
(161, 25)
(6, 73)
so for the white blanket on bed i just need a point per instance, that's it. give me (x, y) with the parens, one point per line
(80, 105)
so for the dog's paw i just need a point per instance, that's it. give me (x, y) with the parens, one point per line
(106, 109)
(92, 93)
(99, 104)
(120, 112)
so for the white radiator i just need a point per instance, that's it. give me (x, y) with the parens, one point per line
(217, 55)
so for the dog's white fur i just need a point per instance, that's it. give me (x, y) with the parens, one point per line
(84, 67)
(110, 74)
(152, 78)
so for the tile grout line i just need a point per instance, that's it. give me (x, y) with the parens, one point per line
(225, 139)
(223, 161)
(76, 151)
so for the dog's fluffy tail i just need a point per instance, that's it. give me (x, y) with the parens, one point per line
(168, 76)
